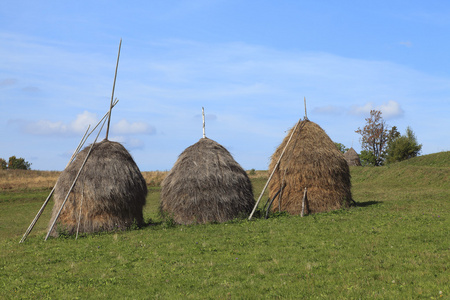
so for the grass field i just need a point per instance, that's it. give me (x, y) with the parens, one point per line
(394, 245)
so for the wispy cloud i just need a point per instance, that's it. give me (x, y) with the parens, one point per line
(8, 82)
(390, 109)
(406, 44)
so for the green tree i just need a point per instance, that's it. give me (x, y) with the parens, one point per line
(367, 158)
(18, 163)
(374, 136)
(341, 147)
(3, 164)
(393, 134)
(403, 147)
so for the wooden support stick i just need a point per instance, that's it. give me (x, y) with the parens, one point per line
(38, 215)
(303, 203)
(304, 101)
(276, 166)
(73, 184)
(79, 216)
(203, 116)
(112, 95)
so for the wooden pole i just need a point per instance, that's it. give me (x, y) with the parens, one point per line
(79, 216)
(304, 101)
(73, 184)
(276, 166)
(203, 116)
(112, 95)
(303, 203)
(38, 215)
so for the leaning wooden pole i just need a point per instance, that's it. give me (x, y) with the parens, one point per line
(38, 215)
(73, 184)
(274, 169)
(114, 87)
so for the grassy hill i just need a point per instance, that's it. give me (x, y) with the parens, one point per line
(394, 244)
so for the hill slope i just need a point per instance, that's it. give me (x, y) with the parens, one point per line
(416, 176)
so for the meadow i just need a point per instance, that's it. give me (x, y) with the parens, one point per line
(395, 244)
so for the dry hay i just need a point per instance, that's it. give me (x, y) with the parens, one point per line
(110, 191)
(313, 161)
(352, 157)
(206, 185)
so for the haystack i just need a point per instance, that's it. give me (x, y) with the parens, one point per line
(206, 185)
(352, 157)
(109, 194)
(311, 160)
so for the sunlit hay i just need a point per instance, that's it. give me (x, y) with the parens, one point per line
(206, 185)
(311, 160)
(352, 157)
(110, 190)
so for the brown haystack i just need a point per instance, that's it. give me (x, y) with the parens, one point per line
(313, 161)
(352, 157)
(206, 185)
(110, 190)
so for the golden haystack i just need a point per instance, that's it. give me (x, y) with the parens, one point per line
(311, 160)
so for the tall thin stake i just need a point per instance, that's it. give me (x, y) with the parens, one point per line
(38, 215)
(73, 184)
(276, 166)
(304, 101)
(303, 202)
(114, 86)
(203, 116)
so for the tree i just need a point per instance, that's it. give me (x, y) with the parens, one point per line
(367, 158)
(392, 135)
(374, 136)
(18, 163)
(341, 147)
(403, 147)
(3, 164)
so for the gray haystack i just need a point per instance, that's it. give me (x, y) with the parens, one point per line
(109, 194)
(352, 157)
(206, 185)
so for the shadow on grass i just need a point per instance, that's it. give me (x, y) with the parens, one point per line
(367, 203)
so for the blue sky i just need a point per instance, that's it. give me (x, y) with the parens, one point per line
(249, 63)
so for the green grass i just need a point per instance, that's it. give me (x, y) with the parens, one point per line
(394, 245)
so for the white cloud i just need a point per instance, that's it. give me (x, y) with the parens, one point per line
(80, 124)
(390, 110)
(125, 127)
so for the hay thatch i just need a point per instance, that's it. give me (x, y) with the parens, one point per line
(313, 161)
(110, 190)
(206, 185)
(352, 157)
